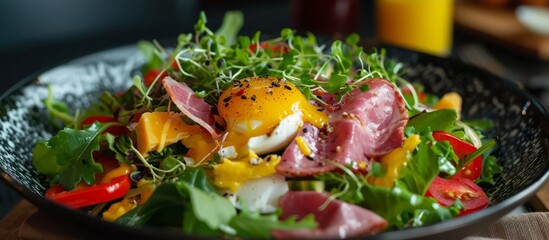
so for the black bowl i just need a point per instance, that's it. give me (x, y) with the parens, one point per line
(521, 127)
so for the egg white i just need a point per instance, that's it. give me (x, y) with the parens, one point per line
(260, 194)
(279, 138)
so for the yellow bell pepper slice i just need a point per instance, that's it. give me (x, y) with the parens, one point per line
(393, 161)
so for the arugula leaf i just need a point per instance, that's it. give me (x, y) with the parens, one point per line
(438, 120)
(490, 167)
(447, 159)
(252, 224)
(402, 208)
(419, 172)
(73, 153)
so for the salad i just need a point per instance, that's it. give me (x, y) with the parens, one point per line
(240, 136)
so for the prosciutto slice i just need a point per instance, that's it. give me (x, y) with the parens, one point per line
(338, 220)
(366, 125)
(190, 104)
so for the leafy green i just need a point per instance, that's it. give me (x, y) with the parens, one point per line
(345, 187)
(72, 150)
(438, 120)
(120, 146)
(419, 172)
(447, 159)
(402, 208)
(490, 167)
(250, 224)
(198, 212)
(44, 159)
(165, 196)
(196, 177)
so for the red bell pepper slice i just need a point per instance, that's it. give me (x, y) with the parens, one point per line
(114, 130)
(94, 194)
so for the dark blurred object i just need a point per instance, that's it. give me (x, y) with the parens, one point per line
(501, 28)
(534, 2)
(40, 34)
(496, 3)
(326, 17)
(511, 3)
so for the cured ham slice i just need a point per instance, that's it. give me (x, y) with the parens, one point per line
(190, 104)
(366, 125)
(337, 220)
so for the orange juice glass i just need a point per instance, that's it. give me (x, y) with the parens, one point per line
(422, 25)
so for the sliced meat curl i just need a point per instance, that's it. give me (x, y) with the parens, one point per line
(366, 125)
(338, 220)
(190, 104)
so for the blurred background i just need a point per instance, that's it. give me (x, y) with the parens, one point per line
(508, 37)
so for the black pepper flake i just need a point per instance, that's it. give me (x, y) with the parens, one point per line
(253, 97)
(220, 62)
(227, 99)
(219, 126)
(287, 87)
(226, 104)
(275, 84)
(244, 97)
(207, 63)
(309, 158)
(305, 130)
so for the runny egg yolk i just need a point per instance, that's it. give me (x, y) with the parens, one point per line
(255, 106)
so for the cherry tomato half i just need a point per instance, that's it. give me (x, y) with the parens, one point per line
(472, 170)
(115, 130)
(94, 194)
(446, 191)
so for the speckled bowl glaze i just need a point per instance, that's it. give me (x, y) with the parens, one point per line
(521, 128)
